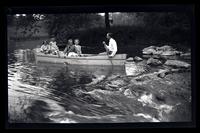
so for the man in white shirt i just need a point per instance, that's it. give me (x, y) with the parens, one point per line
(111, 48)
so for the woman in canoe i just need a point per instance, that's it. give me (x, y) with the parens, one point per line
(53, 47)
(69, 47)
(77, 46)
(111, 48)
(45, 48)
(77, 49)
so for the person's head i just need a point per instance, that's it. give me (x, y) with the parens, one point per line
(109, 35)
(76, 41)
(53, 39)
(70, 41)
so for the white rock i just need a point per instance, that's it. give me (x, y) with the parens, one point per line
(165, 48)
(128, 93)
(136, 58)
(152, 61)
(129, 59)
(186, 54)
(150, 47)
(149, 51)
(177, 63)
(170, 53)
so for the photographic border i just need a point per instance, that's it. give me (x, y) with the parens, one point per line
(190, 8)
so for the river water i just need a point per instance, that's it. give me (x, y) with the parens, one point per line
(56, 93)
(45, 92)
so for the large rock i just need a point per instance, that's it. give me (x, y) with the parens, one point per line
(136, 58)
(186, 54)
(117, 83)
(154, 62)
(130, 59)
(170, 53)
(150, 47)
(158, 52)
(165, 48)
(177, 63)
(149, 51)
(163, 73)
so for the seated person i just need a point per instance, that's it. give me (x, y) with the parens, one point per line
(77, 48)
(53, 47)
(45, 48)
(69, 47)
(111, 48)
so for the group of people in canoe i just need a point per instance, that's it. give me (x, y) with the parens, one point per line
(73, 48)
(50, 47)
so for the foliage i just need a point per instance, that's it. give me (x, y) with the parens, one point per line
(128, 28)
(127, 18)
(26, 26)
(170, 24)
(64, 24)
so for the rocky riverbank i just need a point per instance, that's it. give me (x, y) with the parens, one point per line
(156, 88)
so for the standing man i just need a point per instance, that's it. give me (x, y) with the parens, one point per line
(111, 48)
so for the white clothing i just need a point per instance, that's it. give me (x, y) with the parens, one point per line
(72, 54)
(112, 46)
(54, 47)
(44, 48)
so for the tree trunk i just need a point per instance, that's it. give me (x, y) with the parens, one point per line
(107, 20)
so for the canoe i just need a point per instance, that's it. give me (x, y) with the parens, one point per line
(85, 59)
(82, 69)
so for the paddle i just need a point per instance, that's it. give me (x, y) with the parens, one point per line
(107, 51)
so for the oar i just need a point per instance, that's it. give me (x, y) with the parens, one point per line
(107, 51)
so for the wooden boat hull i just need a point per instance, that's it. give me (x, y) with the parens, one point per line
(86, 59)
(83, 69)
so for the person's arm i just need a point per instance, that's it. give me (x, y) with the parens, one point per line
(42, 48)
(104, 43)
(65, 50)
(106, 46)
